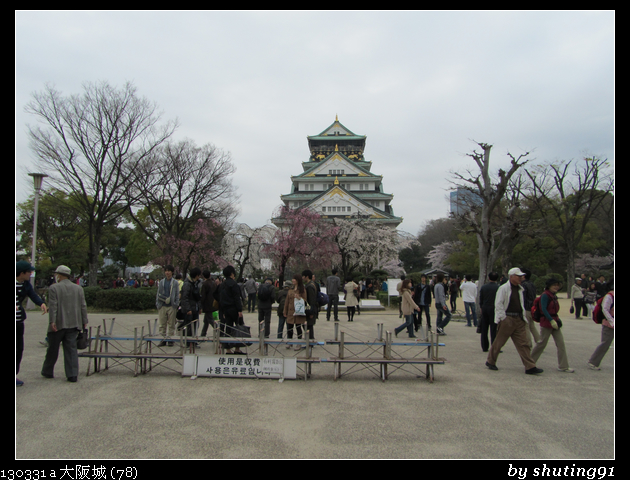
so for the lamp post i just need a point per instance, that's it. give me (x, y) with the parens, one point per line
(37, 180)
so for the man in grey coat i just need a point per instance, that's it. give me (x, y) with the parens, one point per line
(67, 314)
(333, 285)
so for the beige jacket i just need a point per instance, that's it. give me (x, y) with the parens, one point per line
(408, 305)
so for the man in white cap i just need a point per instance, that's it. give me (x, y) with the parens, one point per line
(67, 314)
(509, 315)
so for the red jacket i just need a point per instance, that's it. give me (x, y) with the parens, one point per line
(552, 308)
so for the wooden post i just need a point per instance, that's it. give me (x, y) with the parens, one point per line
(261, 338)
(216, 339)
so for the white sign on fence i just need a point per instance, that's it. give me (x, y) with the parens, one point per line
(239, 366)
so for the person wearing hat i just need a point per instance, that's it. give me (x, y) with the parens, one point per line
(551, 325)
(509, 315)
(23, 289)
(67, 314)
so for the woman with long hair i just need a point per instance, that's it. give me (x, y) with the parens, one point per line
(408, 306)
(295, 296)
(351, 299)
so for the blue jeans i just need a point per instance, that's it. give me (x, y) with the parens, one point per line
(470, 306)
(333, 301)
(443, 316)
(281, 321)
(408, 324)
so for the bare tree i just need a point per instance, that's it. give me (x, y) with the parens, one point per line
(85, 145)
(483, 200)
(568, 194)
(178, 184)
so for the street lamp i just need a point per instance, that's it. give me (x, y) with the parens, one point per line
(37, 180)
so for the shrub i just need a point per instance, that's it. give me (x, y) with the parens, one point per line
(117, 299)
(539, 282)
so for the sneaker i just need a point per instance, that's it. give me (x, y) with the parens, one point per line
(593, 367)
(491, 367)
(18, 382)
(534, 371)
(566, 370)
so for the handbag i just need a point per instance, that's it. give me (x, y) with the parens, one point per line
(300, 307)
(239, 331)
(82, 341)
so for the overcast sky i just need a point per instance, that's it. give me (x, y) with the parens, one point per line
(420, 85)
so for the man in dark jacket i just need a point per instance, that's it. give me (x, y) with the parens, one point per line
(487, 295)
(266, 298)
(529, 295)
(422, 296)
(189, 301)
(231, 304)
(23, 289)
(311, 298)
(207, 301)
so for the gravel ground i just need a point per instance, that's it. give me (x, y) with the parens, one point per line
(468, 412)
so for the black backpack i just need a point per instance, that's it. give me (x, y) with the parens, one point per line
(264, 292)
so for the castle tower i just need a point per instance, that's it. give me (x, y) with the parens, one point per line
(337, 180)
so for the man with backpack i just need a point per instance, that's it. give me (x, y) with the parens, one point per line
(266, 298)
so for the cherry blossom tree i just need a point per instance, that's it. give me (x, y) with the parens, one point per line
(303, 237)
(438, 256)
(243, 246)
(366, 245)
(199, 248)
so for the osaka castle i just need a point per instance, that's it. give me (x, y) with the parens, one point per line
(337, 181)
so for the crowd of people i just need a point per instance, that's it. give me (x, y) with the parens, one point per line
(505, 307)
